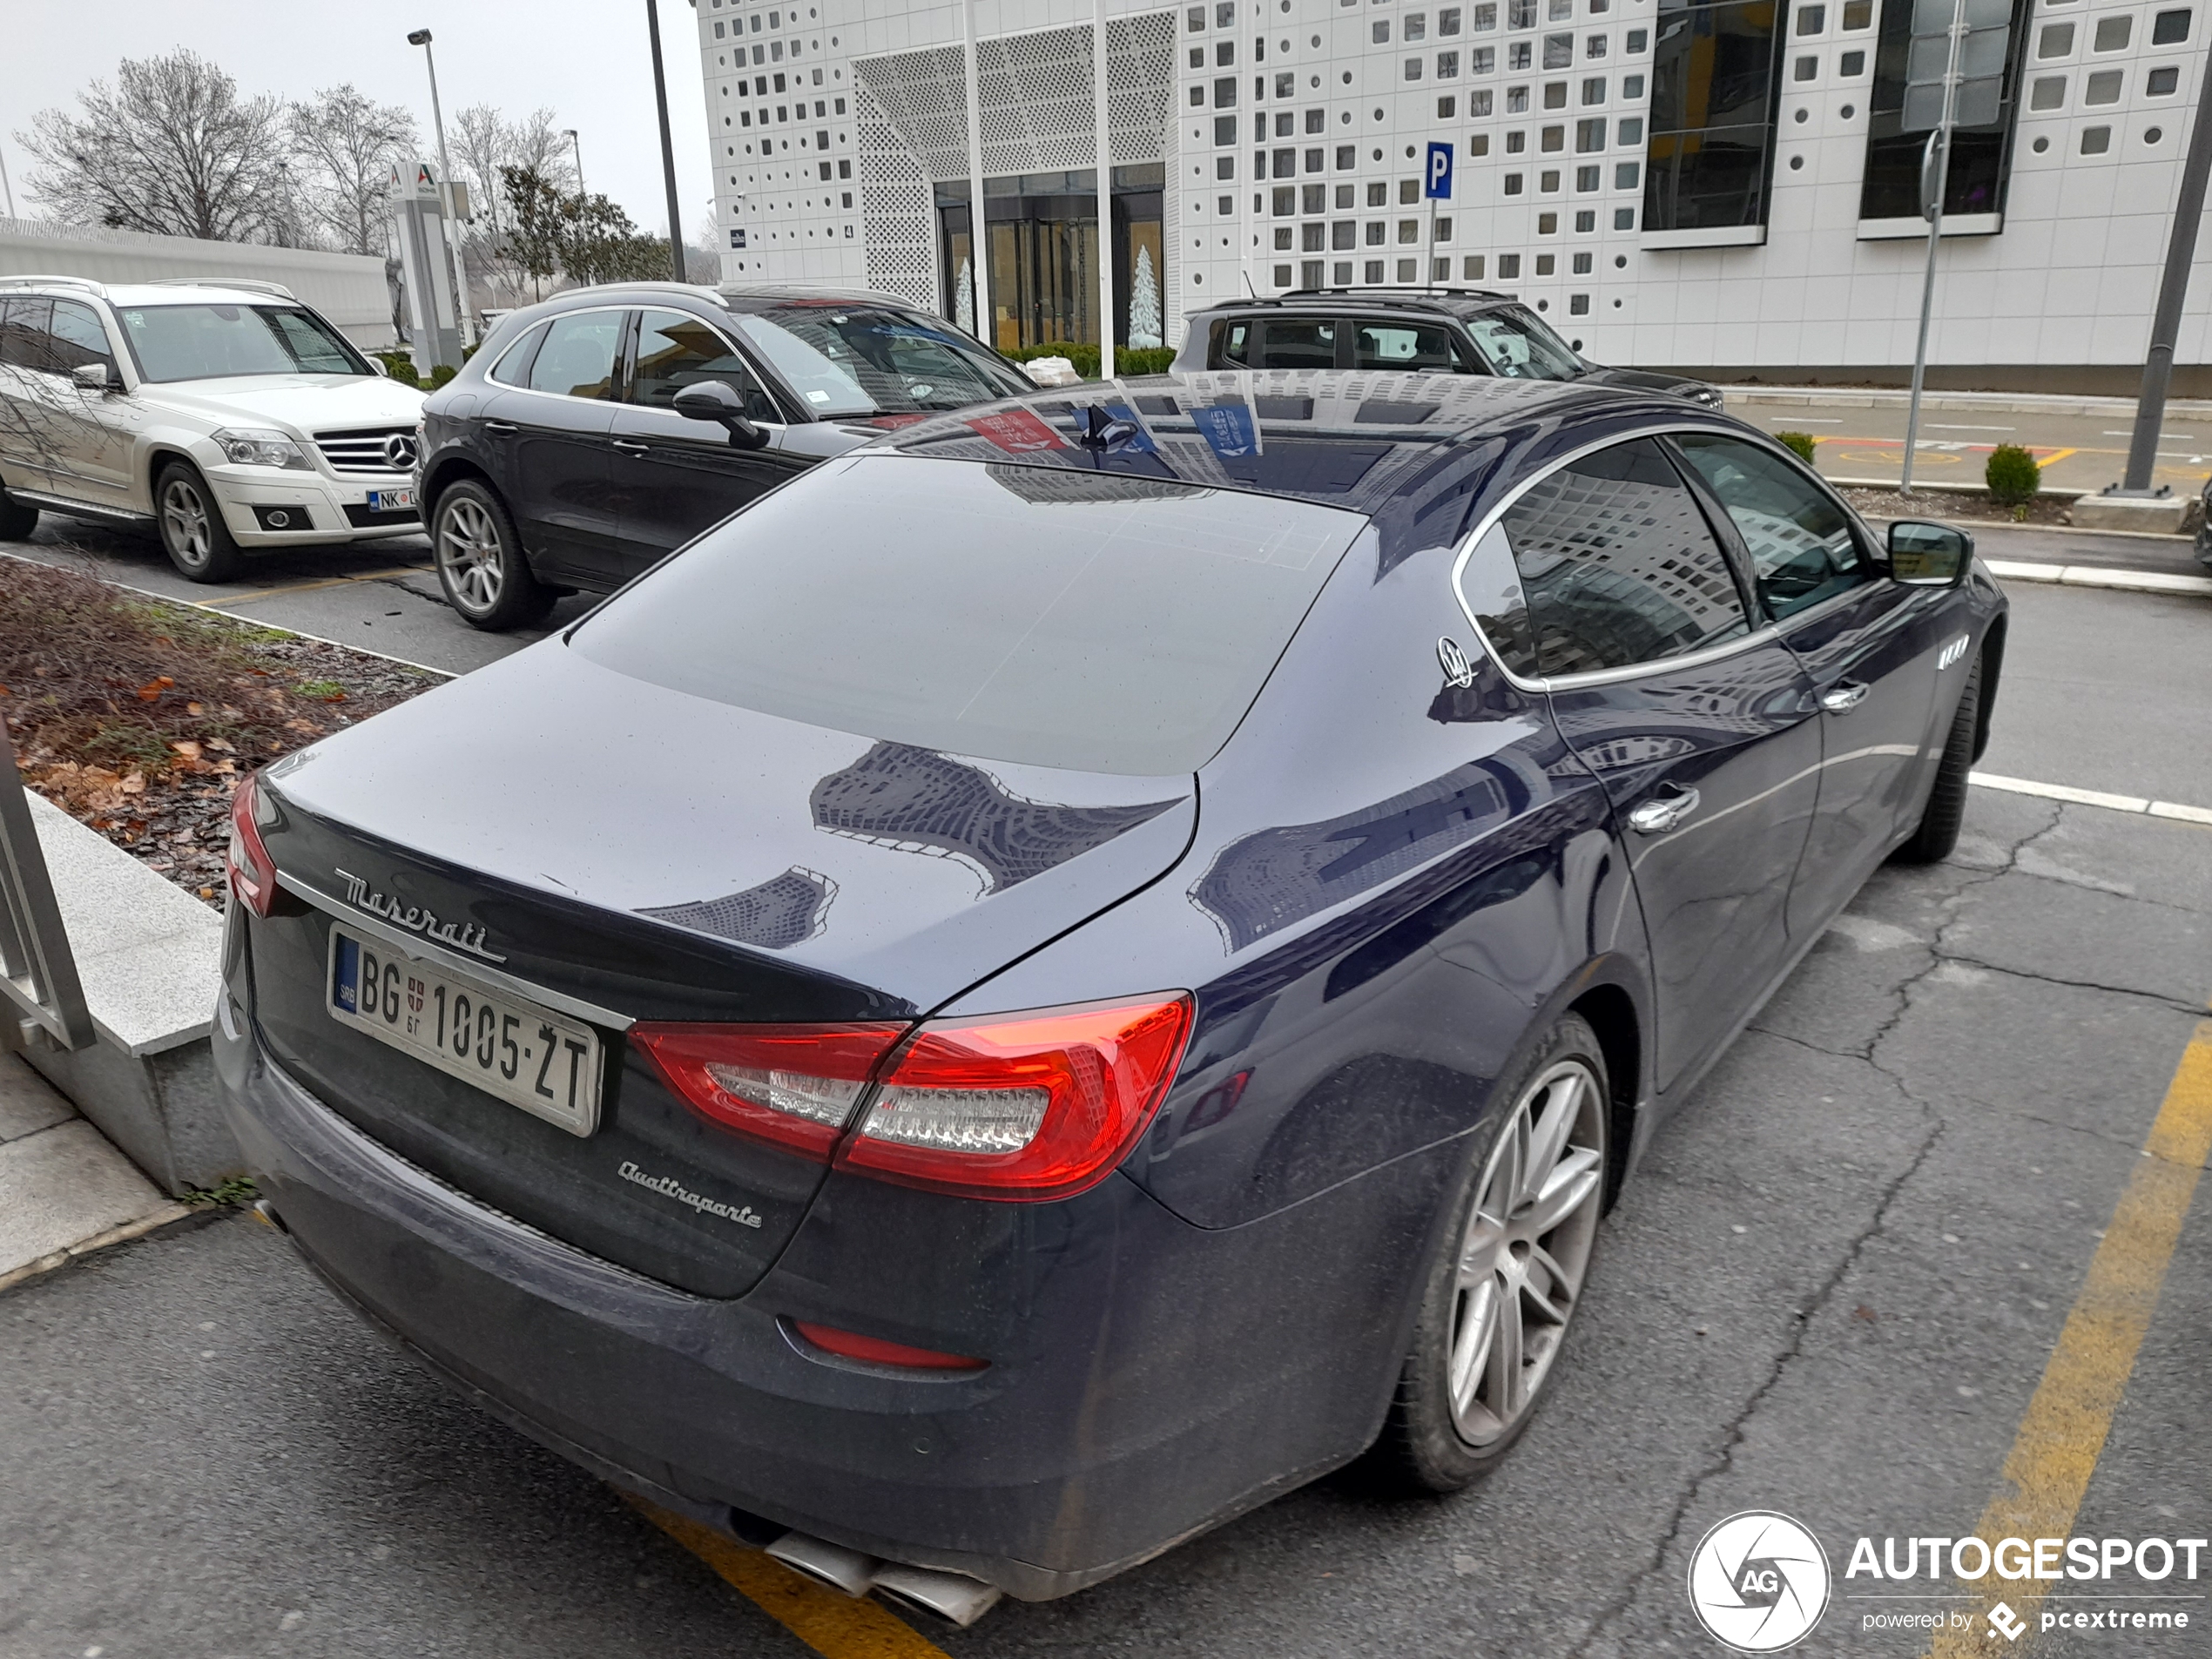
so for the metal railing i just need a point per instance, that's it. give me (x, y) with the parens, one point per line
(38, 973)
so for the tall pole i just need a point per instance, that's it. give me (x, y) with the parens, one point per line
(1940, 142)
(7, 189)
(422, 38)
(2173, 288)
(576, 148)
(1103, 139)
(667, 148)
(978, 236)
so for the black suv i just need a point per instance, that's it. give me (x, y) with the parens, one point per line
(597, 432)
(1450, 331)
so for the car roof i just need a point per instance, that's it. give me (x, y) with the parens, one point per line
(1344, 438)
(1458, 302)
(733, 296)
(176, 291)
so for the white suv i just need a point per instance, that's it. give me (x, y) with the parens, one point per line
(228, 415)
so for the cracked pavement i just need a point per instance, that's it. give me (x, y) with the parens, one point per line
(1829, 1290)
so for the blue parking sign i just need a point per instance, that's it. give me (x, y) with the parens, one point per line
(1440, 172)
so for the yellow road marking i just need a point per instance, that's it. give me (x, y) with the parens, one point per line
(307, 587)
(2054, 457)
(2063, 1432)
(834, 1625)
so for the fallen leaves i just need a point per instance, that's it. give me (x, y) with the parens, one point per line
(151, 690)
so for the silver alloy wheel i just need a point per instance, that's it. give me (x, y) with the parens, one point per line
(1525, 1251)
(469, 556)
(184, 524)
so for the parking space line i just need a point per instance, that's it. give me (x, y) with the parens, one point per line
(2093, 798)
(307, 587)
(2063, 1432)
(834, 1625)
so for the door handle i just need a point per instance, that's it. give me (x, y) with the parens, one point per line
(631, 445)
(1663, 812)
(1843, 697)
(502, 429)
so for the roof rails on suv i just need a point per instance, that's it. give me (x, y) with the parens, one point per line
(249, 285)
(39, 281)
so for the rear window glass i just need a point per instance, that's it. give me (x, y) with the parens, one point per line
(1010, 613)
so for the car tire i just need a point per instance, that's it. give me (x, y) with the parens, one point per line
(480, 564)
(1507, 1274)
(1938, 831)
(191, 523)
(18, 518)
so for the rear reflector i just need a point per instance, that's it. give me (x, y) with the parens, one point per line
(876, 1352)
(1026, 1106)
(253, 873)
(792, 1084)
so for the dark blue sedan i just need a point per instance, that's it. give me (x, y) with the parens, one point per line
(1090, 961)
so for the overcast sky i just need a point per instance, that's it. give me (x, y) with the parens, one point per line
(587, 60)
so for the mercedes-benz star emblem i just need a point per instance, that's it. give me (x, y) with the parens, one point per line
(1759, 1581)
(398, 450)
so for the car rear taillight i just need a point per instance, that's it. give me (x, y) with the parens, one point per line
(253, 873)
(792, 1084)
(1026, 1106)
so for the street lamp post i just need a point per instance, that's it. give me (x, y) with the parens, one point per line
(422, 38)
(667, 149)
(576, 145)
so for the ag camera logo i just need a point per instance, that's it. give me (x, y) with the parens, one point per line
(1758, 1583)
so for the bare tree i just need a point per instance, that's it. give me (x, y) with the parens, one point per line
(170, 148)
(346, 144)
(486, 145)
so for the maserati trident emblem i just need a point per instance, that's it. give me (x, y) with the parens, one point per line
(457, 935)
(399, 451)
(1454, 661)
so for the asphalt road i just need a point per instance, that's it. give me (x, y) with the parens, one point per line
(1832, 1290)
(2076, 451)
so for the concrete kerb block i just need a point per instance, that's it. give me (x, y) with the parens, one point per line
(2160, 515)
(149, 954)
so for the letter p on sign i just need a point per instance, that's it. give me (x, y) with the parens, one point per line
(1440, 172)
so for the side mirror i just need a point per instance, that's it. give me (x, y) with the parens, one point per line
(715, 400)
(1928, 555)
(93, 377)
(380, 367)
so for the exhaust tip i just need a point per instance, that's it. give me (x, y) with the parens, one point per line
(952, 1596)
(847, 1571)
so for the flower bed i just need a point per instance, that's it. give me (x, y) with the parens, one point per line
(137, 716)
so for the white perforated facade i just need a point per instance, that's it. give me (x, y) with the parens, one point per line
(1292, 135)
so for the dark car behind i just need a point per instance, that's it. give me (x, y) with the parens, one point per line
(557, 460)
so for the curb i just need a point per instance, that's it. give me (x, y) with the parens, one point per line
(1987, 402)
(128, 1230)
(2095, 576)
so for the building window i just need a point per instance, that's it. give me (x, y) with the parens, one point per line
(1344, 235)
(1447, 67)
(1316, 198)
(1478, 144)
(1313, 161)
(2096, 141)
(1224, 168)
(1589, 137)
(1483, 18)
(1409, 230)
(1285, 202)
(1447, 21)
(1812, 19)
(1520, 14)
(1375, 233)
(2054, 40)
(1858, 14)
(1478, 104)
(1286, 122)
(1409, 270)
(1286, 164)
(1317, 121)
(1593, 90)
(1712, 119)
(1471, 267)
(1554, 95)
(1347, 156)
(1282, 276)
(1225, 129)
(1629, 131)
(1514, 183)
(1412, 69)
(1509, 267)
(1637, 40)
(1483, 60)
(1516, 100)
(1313, 237)
(2047, 92)
(1586, 178)
(2103, 87)
(1373, 271)
(1890, 183)
(1594, 48)
(2169, 28)
(1580, 265)
(1624, 219)
(1417, 26)
(1552, 140)
(1578, 305)
(1518, 56)
(1624, 176)
(2113, 32)
(1547, 264)
(2163, 81)
(1559, 51)
(1378, 193)
(1851, 63)
(1381, 31)
(1409, 191)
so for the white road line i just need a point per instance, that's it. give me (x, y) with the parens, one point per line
(2100, 575)
(1939, 426)
(2093, 798)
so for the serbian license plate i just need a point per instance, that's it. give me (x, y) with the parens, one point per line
(391, 501)
(512, 1050)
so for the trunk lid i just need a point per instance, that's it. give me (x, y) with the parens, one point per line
(633, 852)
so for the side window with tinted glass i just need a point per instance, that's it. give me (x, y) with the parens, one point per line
(78, 339)
(1619, 565)
(577, 359)
(513, 368)
(26, 339)
(676, 349)
(1802, 545)
(1233, 343)
(1401, 345)
(1295, 342)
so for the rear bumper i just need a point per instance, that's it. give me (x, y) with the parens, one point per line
(1148, 1392)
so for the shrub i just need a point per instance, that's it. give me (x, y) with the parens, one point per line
(441, 375)
(1800, 444)
(400, 365)
(2013, 476)
(1129, 360)
(1133, 360)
